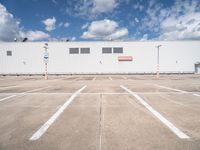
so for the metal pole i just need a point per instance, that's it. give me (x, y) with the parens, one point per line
(158, 73)
(158, 61)
(46, 75)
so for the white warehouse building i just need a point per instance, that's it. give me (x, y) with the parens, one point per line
(100, 57)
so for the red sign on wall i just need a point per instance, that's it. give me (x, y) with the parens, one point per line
(125, 58)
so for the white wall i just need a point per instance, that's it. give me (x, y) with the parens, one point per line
(28, 57)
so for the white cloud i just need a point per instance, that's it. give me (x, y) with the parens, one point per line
(101, 6)
(136, 20)
(138, 6)
(91, 8)
(50, 24)
(63, 39)
(66, 24)
(181, 30)
(181, 21)
(118, 34)
(153, 16)
(36, 35)
(184, 27)
(10, 28)
(105, 30)
(145, 37)
(60, 24)
(73, 38)
(84, 26)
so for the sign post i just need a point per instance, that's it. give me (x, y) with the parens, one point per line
(46, 60)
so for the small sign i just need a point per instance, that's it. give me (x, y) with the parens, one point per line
(46, 57)
(125, 58)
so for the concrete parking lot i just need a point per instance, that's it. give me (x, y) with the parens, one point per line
(100, 112)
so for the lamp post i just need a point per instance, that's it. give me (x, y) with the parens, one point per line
(46, 59)
(158, 61)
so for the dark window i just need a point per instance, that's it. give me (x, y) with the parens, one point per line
(73, 50)
(9, 53)
(117, 50)
(85, 50)
(106, 50)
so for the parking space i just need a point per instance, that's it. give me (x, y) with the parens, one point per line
(127, 125)
(111, 112)
(181, 114)
(21, 116)
(77, 127)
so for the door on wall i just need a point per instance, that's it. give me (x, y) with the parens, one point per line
(197, 68)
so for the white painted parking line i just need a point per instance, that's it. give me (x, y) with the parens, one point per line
(31, 106)
(5, 98)
(196, 95)
(34, 90)
(177, 90)
(39, 93)
(5, 87)
(167, 123)
(110, 78)
(172, 101)
(55, 116)
(94, 78)
(179, 103)
(105, 93)
(19, 94)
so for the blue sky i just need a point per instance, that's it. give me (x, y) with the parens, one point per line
(80, 20)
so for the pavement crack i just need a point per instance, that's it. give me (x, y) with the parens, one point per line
(100, 120)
